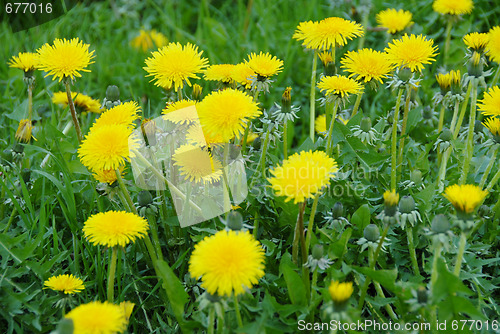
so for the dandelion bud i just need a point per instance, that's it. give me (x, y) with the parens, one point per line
(371, 233)
(446, 135)
(196, 92)
(317, 252)
(144, 198)
(26, 175)
(422, 295)
(440, 224)
(328, 63)
(257, 143)
(234, 221)
(428, 113)
(18, 148)
(456, 82)
(338, 210)
(405, 74)
(112, 93)
(340, 292)
(406, 204)
(416, 176)
(475, 65)
(286, 100)
(391, 199)
(148, 129)
(366, 124)
(484, 211)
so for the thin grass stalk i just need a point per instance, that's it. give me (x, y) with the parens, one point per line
(470, 136)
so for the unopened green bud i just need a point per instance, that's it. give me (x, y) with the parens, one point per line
(371, 232)
(112, 93)
(144, 198)
(317, 252)
(416, 176)
(446, 135)
(257, 143)
(406, 204)
(422, 295)
(196, 92)
(428, 113)
(26, 175)
(405, 74)
(286, 100)
(484, 211)
(235, 221)
(440, 224)
(338, 210)
(18, 148)
(366, 124)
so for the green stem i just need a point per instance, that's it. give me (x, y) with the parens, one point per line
(73, 111)
(154, 232)
(312, 96)
(211, 320)
(364, 289)
(111, 274)
(488, 168)
(470, 137)
(311, 223)
(179, 94)
(329, 136)
(411, 247)
(394, 140)
(493, 181)
(285, 139)
(462, 111)
(313, 291)
(434, 274)
(495, 78)
(441, 117)
(460, 255)
(125, 192)
(447, 40)
(403, 128)
(296, 237)
(11, 220)
(30, 101)
(245, 137)
(357, 103)
(237, 311)
(379, 290)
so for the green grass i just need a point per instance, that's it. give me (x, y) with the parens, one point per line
(41, 219)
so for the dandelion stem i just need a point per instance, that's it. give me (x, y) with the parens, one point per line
(488, 168)
(470, 137)
(262, 161)
(111, 274)
(179, 94)
(364, 289)
(447, 40)
(411, 247)
(125, 191)
(11, 219)
(299, 229)
(154, 232)
(73, 111)
(379, 290)
(311, 222)
(357, 103)
(462, 111)
(394, 140)
(434, 274)
(237, 311)
(285, 138)
(312, 96)
(460, 255)
(329, 137)
(441, 117)
(30, 101)
(493, 181)
(211, 320)
(403, 128)
(495, 78)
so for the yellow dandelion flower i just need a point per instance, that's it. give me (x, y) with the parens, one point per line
(197, 136)
(106, 147)
(67, 284)
(490, 104)
(174, 64)
(187, 116)
(493, 124)
(83, 102)
(23, 133)
(476, 41)
(125, 114)
(97, 317)
(107, 175)
(394, 20)
(228, 262)
(305, 31)
(326, 57)
(65, 59)
(147, 39)
(127, 308)
(444, 81)
(493, 46)
(114, 228)
(411, 51)
(391, 198)
(264, 64)
(328, 33)
(367, 64)
(320, 124)
(243, 74)
(197, 164)
(227, 112)
(453, 7)
(26, 61)
(221, 72)
(465, 198)
(303, 175)
(339, 85)
(340, 292)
